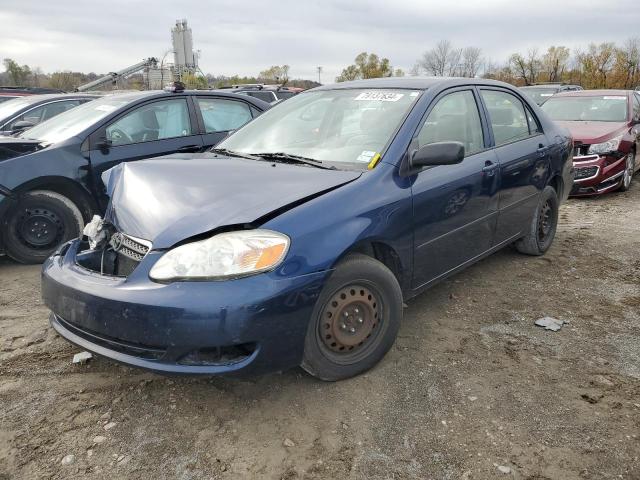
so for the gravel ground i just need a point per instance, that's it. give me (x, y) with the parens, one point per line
(471, 390)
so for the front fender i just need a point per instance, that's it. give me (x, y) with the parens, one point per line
(376, 208)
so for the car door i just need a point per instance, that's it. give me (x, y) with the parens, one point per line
(219, 116)
(454, 206)
(151, 129)
(523, 154)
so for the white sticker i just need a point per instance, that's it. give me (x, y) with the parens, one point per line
(414, 94)
(379, 96)
(546, 94)
(105, 108)
(365, 156)
(618, 97)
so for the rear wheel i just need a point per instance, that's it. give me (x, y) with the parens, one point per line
(542, 229)
(355, 321)
(38, 224)
(630, 167)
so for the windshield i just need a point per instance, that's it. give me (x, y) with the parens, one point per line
(343, 128)
(605, 108)
(14, 105)
(540, 95)
(74, 121)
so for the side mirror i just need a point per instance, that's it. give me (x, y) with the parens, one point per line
(104, 144)
(440, 153)
(22, 125)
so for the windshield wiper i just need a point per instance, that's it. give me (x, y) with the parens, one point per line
(287, 157)
(232, 153)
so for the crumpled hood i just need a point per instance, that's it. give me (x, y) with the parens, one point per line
(172, 198)
(11, 147)
(593, 132)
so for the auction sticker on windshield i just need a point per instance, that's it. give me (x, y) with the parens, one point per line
(380, 96)
(614, 97)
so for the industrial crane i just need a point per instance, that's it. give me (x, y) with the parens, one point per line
(114, 76)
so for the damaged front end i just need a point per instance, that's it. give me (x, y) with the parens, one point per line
(115, 254)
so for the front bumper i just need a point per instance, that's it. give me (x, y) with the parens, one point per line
(595, 174)
(181, 327)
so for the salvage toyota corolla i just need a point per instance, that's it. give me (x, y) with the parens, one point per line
(297, 239)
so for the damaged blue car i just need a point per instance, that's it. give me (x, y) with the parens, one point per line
(296, 241)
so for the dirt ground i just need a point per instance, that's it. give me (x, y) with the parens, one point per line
(472, 389)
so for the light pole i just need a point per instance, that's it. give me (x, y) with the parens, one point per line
(319, 72)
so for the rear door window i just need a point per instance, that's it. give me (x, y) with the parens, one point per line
(507, 116)
(223, 115)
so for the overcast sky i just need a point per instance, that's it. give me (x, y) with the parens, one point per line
(247, 36)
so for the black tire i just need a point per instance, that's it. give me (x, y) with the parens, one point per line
(40, 222)
(334, 351)
(542, 229)
(630, 167)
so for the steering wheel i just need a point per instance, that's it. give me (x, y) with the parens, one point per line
(119, 137)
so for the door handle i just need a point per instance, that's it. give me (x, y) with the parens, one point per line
(189, 148)
(490, 168)
(542, 150)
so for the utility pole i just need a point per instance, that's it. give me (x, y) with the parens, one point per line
(319, 72)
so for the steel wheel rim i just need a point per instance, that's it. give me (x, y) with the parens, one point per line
(39, 228)
(545, 221)
(350, 323)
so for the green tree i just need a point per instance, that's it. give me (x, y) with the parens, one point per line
(18, 74)
(276, 74)
(367, 65)
(192, 81)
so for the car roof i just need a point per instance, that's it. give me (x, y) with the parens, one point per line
(555, 86)
(33, 99)
(133, 96)
(594, 93)
(416, 83)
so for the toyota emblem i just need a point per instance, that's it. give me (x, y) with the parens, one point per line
(116, 242)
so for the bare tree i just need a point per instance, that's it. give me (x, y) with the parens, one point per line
(519, 65)
(628, 61)
(555, 61)
(534, 65)
(441, 60)
(471, 60)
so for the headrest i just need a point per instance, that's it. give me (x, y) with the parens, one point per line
(501, 116)
(149, 120)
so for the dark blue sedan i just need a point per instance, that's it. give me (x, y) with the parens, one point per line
(297, 239)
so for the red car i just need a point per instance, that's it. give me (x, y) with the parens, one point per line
(605, 125)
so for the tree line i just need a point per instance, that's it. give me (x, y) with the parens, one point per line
(603, 65)
(27, 76)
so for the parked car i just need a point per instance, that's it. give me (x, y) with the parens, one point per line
(541, 92)
(25, 112)
(298, 238)
(267, 93)
(50, 174)
(605, 125)
(9, 93)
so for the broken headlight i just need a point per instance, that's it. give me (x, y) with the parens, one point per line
(606, 147)
(223, 256)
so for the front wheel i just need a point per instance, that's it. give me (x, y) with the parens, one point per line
(629, 169)
(40, 222)
(355, 321)
(542, 229)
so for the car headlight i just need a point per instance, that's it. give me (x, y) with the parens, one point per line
(606, 147)
(223, 256)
